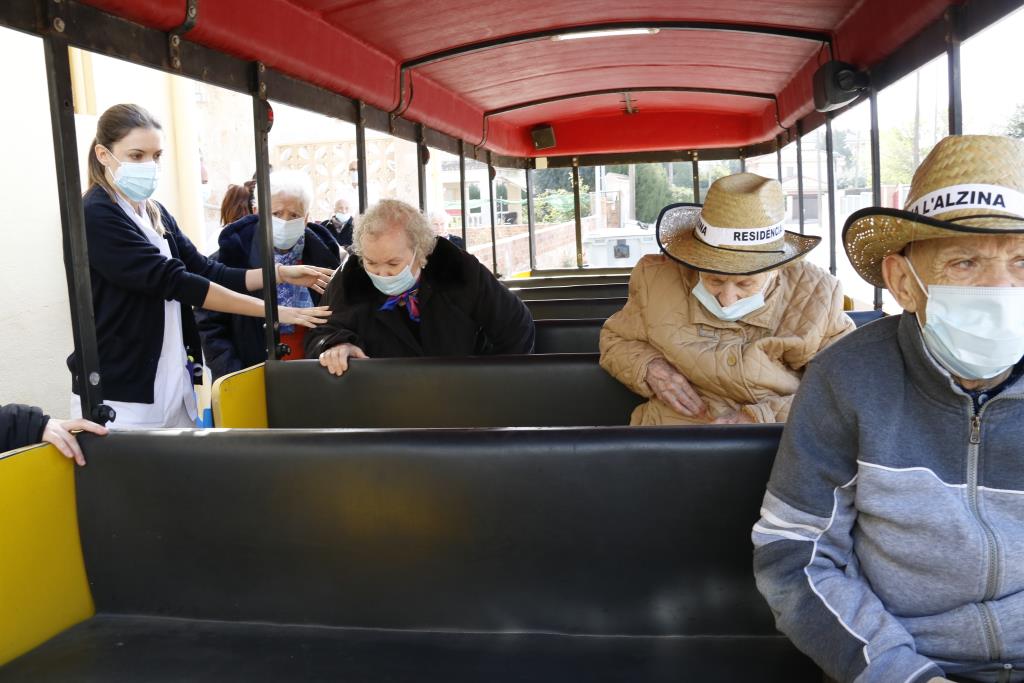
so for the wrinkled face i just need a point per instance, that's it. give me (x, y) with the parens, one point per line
(388, 253)
(140, 144)
(977, 261)
(287, 207)
(729, 289)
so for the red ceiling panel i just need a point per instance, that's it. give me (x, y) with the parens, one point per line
(611, 106)
(356, 47)
(411, 28)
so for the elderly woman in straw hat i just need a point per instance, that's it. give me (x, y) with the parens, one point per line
(719, 327)
(892, 536)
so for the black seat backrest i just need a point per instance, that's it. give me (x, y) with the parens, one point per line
(642, 530)
(563, 309)
(494, 391)
(568, 336)
(573, 292)
(564, 280)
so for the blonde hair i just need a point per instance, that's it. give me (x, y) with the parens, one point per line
(388, 214)
(116, 123)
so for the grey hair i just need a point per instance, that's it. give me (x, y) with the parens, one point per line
(388, 214)
(293, 184)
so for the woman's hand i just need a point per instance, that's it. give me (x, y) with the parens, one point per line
(307, 317)
(60, 434)
(336, 358)
(314, 277)
(669, 385)
(736, 417)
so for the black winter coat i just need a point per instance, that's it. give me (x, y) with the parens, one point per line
(464, 311)
(233, 342)
(20, 425)
(340, 232)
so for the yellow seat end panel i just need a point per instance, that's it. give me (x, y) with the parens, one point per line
(240, 399)
(43, 586)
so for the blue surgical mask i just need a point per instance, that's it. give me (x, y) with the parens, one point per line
(733, 311)
(395, 284)
(138, 180)
(343, 217)
(287, 233)
(973, 332)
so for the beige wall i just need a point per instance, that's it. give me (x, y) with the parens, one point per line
(34, 308)
(33, 305)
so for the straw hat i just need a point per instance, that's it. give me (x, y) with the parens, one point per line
(967, 185)
(738, 231)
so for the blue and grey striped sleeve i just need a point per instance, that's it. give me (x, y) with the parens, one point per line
(803, 549)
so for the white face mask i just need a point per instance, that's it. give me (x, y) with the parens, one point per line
(974, 332)
(343, 217)
(137, 179)
(395, 284)
(733, 311)
(287, 233)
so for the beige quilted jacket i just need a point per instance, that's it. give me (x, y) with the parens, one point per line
(753, 364)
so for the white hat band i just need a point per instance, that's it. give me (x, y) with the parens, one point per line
(975, 197)
(738, 237)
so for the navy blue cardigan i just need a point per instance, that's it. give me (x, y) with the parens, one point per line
(131, 279)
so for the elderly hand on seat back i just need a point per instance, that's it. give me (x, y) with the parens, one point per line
(672, 388)
(336, 358)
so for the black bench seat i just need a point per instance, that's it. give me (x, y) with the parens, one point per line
(570, 555)
(129, 649)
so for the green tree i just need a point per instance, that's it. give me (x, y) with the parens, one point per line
(653, 192)
(560, 179)
(897, 148)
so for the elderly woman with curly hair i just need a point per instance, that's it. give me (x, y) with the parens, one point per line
(409, 293)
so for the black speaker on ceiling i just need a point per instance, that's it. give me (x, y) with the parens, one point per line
(543, 137)
(837, 84)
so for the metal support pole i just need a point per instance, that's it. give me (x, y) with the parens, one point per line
(830, 163)
(578, 212)
(361, 156)
(422, 155)
(778, 156)
(72, 221)
(490, 200)
(954, 35)
(262, 120)
(531, 222)
(876, 171)
(696, 179)
(462, 191)
(800, 173)
(743, 165)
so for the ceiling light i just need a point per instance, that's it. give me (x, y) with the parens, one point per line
(606, 34)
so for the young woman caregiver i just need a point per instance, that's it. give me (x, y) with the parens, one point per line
(147, 276)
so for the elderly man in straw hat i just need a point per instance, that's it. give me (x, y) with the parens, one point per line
(719, 327)
(891, 546)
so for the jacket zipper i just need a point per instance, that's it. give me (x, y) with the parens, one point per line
(991, 549)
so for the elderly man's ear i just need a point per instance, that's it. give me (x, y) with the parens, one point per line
(902, 284)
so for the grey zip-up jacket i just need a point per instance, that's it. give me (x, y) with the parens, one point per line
(891, 541)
